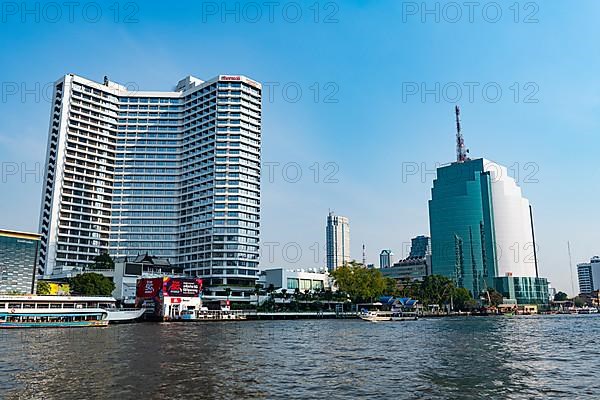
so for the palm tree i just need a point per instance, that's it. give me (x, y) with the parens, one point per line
(257, 293)
(328, 297)
(270, 291)
(296, 297)
(228, 293)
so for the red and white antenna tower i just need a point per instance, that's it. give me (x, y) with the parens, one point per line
(461, 150)
(364, 256)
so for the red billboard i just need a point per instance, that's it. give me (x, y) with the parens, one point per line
(148, 288)
(182, 287)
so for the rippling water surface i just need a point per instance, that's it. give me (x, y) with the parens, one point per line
(448, 358)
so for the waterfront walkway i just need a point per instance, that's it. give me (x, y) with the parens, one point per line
(300, 315)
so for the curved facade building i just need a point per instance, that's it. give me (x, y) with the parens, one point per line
(480, 224)
(171, 174)
(512, 224)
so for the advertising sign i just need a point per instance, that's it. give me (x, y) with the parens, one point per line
(182, 287)
(148, 287)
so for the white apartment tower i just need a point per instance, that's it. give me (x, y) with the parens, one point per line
(338, 241)
(171, 174)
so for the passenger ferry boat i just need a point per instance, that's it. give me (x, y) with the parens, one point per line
(375, 316)
(31, 311)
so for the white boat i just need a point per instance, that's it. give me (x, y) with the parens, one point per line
(124, 314)
(405, 316)
(32, 311)
(375, 316)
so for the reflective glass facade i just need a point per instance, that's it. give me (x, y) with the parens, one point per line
(461, 225)
(18, 259)
(525, 290)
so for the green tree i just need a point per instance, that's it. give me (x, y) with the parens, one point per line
(409, 288)
(297, 298)
(435, 289)
(257, 288)
(493, 297)
(43, 288)
(391, 287)
(462, 299)
(578, 301)
(560, 296)
(470, 304)
(360, 283)
(92, 284)
(270, 291)
(103, 261)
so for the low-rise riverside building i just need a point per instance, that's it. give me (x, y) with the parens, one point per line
(413, 268)
(311, 279)
(416, 266)
(523, 289)
(128, 271)
(18, 260)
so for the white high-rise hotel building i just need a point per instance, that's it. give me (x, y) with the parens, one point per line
(172, 174)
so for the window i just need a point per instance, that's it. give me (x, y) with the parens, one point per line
(305, 284)
(292, 283)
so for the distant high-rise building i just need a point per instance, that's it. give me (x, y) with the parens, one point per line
(385, 258)
(479, 220)
(420, 246)
(589, 275)
(18, 260)
(586, 282)
(338, 241)
(595, 264)
(173, 174)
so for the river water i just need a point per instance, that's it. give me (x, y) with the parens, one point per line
(448, 358)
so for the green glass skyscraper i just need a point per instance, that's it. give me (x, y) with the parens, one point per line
(482, 231)
(461, 223)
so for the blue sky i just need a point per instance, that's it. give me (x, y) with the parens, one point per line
(357, 64)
